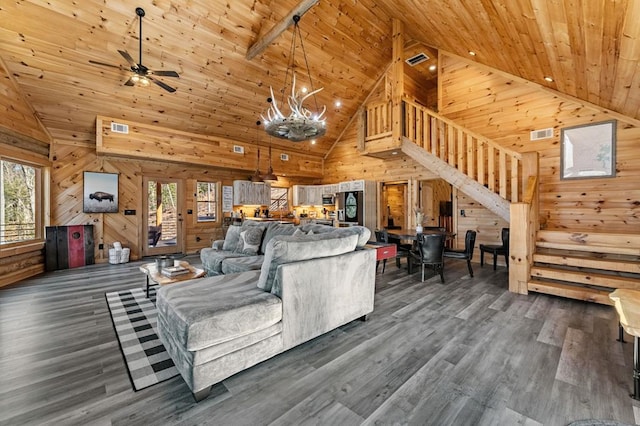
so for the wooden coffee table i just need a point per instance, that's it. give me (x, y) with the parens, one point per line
(156, 277)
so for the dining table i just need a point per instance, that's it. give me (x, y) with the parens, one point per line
(411, 234)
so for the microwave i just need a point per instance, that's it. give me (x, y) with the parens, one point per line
(328, 200)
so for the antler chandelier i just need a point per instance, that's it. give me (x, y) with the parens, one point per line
(301, 124)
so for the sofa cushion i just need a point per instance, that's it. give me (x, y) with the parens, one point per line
(250, 240)
(285, 249)
(212, 259)
(234, 265)
(232, 237)
(213, 310)
(274, 229)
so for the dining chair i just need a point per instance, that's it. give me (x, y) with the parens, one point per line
(467, 253)
(497, 250)
(430, 253)
(402, 250)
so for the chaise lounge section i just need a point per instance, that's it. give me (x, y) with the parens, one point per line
(218, 326)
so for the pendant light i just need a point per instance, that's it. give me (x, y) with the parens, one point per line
(270, 176)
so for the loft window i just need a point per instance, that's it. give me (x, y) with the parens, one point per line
(207, 201)
(20, 216)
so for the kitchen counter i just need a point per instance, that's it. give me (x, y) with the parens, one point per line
(271, 219)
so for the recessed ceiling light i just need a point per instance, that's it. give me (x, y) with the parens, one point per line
(432, 68)
(472, 53)
(304, 90)
(338, 104)
(394, 153)
(549, 79)
(313, 141)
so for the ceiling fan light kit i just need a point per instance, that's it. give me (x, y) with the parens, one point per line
(141, 74)
(301, 124)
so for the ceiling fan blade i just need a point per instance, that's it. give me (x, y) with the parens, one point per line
(165, 73)
(161, 84)
(129, 59)
(103, 64)
(130, 82)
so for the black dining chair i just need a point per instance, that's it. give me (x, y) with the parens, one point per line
(402, 250)
(430, 253)
(497, 250)
(467, 253)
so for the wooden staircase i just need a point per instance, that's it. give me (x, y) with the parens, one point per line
(585, 266)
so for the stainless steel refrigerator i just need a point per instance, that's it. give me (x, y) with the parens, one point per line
(350, 206)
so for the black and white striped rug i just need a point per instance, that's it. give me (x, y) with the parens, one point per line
(134, 320)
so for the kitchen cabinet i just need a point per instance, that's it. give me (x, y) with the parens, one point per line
(249, 193)
(307, 195)
(330, 189)
(352, 185)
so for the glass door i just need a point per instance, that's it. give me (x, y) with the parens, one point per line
(163, 216)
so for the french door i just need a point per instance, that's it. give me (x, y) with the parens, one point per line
(162, 223)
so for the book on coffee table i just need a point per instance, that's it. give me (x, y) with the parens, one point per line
(173, 271)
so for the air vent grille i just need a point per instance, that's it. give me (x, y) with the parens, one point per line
(284, 157)
(536, 135)
(119, 128)
(417, 59)
(238, 149)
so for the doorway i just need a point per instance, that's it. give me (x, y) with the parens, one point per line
(394, 204)
(163, 222)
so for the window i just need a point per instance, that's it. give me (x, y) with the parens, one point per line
(19, 204)
(207, 201)
(279, 200)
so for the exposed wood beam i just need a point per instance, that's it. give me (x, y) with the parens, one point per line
(261, 44)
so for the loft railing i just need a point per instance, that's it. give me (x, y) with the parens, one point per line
(483, 160)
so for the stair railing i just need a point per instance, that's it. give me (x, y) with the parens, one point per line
(483, 160)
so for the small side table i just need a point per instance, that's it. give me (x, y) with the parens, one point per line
(384, 251)
(627, 304)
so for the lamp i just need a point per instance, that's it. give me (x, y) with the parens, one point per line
(301, 124)
(270, 176)
(257, 177)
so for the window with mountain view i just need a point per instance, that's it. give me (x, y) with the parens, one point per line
(18, 202)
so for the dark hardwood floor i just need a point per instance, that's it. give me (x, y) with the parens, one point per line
(467, 352)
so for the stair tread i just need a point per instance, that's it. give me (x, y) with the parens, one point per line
(579, 292)
(613, 280)
(619, 264)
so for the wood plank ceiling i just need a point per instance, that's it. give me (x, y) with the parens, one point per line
(589, 48)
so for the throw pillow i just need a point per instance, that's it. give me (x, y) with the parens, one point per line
(250, 240)
(231, 239)
(310, 232)
(299, 233)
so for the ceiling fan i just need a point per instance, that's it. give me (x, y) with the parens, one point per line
(141, 74)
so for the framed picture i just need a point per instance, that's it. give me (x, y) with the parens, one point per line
(100, 192)
(588, 151)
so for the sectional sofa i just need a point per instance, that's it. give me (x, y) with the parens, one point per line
(305, 282)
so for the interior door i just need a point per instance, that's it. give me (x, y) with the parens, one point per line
(163, 222)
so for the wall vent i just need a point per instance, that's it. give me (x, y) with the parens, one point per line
(284, 157)
(119, 128)
(238, 149)
(417, 59)
(536, 135)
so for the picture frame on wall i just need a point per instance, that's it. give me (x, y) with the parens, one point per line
(588, 151)
(100, 194)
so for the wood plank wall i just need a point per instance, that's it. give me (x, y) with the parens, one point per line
(15, 112)
(506, 110)
(71, 159)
